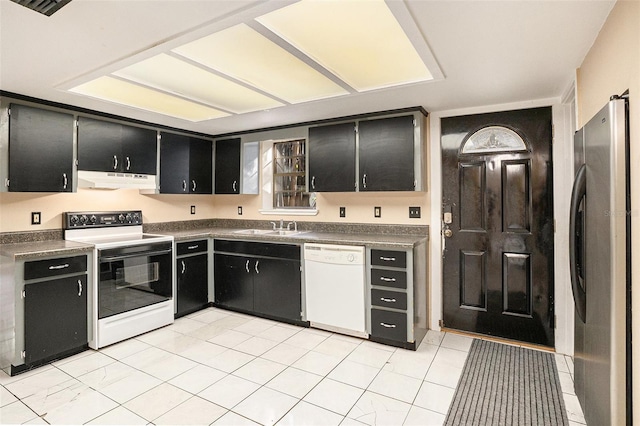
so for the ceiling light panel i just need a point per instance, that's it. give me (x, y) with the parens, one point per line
(132, 95)
(245, 55)
(361, 42)
(173, 75)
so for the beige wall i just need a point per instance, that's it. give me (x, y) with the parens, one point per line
(611, 67)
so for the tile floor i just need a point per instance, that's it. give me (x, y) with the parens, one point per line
(222, 368)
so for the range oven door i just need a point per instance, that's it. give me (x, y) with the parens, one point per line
(133, 277)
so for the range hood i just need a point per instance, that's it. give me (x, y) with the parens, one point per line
(115, 180)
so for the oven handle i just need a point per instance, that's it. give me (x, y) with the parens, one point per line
(127, 256)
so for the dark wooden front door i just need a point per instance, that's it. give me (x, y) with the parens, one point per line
(498, 224)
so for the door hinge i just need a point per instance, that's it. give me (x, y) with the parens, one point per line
(24, 294)
(76, 123)
(6, 182)
(553, 132)
(9, 111)
(23, 354)
(355, 128)
(415, 123)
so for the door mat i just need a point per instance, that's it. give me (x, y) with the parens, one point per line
(507, 385)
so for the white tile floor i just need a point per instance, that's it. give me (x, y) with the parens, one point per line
(222, 368)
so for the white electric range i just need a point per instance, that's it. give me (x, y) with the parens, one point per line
(133, 274)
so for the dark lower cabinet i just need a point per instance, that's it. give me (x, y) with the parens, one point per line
(55, 317)
(276, 290)
(259, 278)
(192, 276)
(233, 282)
(40, 150)
(192, 284)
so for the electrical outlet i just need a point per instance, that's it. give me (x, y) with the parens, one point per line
(377, 211)
(193, 209)
(343, 212)
(239, 210)
(36, 218)
(414, 212)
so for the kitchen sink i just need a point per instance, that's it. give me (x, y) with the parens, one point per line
(254, 231)
(284, 232)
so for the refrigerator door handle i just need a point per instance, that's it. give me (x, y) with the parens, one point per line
(575, 242)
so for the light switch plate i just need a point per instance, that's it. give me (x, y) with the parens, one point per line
(36, 218)
(377, 211)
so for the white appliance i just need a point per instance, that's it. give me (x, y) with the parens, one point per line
(335, 288)
(133, 274)
(115, 180)
(600, 253)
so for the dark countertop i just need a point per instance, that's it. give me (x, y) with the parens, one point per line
(400, 241)
(38, 249)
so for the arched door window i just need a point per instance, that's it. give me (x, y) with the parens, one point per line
(493, 139)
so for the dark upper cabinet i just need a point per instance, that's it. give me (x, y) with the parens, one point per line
(40, 150)
(332, 158)
(106, 146)
(386, 154)
(185, 165)
(227, 166)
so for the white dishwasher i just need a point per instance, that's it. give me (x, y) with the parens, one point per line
(335, 287)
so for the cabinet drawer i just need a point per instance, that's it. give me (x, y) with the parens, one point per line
(389, 299)
(389, 325)
(393, 258)
(388, 278)
(54, 267)
(192, 247)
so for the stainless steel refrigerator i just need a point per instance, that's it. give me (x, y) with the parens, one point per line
(600, 266)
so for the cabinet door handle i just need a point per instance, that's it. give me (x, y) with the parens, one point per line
(388, 280)
(193, 183)
(184, 185)
(388, 259)
(384, 299)
(184, 267)
(64, 181)
(235, 183)
(115, 162)
(257, 270)
(313, 182)
(387, 325)
(364, 180)
(128, 164)
(246, 266)
(54, 267)
(79, 288)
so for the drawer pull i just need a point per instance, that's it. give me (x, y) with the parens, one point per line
(388, 325)
(54, 267)
(193, 247)
(388, 259)
(389, 280)
(384, 299)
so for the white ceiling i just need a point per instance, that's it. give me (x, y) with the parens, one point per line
(490, 52)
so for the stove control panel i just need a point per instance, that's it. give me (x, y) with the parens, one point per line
(84, 220)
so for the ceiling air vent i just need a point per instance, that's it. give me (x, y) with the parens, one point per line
(46, 7)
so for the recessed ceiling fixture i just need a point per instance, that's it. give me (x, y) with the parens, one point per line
(129, 94)
(167, 73)
(306, 51)
(361, 42)
(246, 55)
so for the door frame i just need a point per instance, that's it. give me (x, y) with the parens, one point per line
(562, 155)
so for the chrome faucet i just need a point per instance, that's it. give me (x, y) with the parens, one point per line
(274, 225)
(295, 226)
(281, 224)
